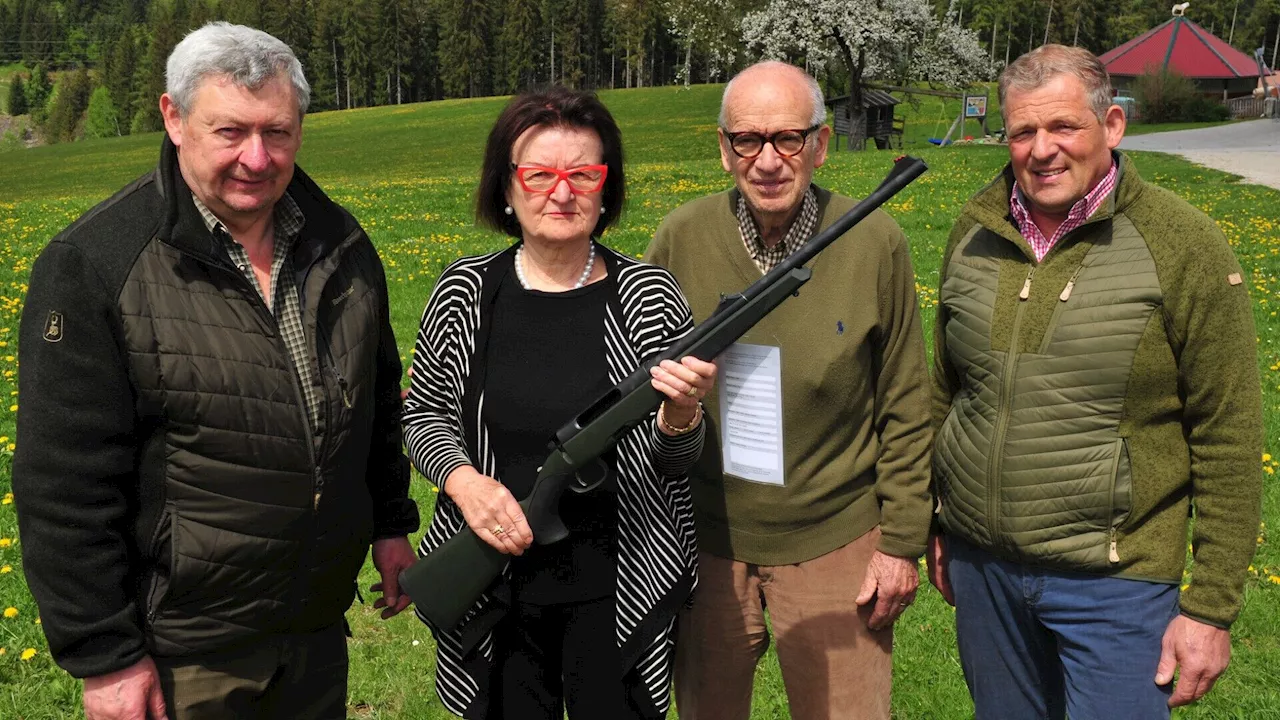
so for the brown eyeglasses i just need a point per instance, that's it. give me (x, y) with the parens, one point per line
(787, 143)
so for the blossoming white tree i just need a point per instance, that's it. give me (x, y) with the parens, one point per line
(900, 40)
(709, 25)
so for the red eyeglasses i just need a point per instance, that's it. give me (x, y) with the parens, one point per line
(539, 179)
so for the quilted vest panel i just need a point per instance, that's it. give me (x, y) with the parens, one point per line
(1029, 462)
(245, 545)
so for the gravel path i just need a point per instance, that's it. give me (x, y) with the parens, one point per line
(1248, 149)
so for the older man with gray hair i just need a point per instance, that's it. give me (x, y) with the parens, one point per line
(1095, 379)
(812, 501)
(209, 434)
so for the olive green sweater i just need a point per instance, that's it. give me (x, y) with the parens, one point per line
(1189, 423)
(855, 398)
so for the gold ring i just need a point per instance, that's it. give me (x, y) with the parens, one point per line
(498, 530)
(693, 392)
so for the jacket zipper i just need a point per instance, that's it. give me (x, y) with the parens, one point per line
(342, 381)
(166, 518)
(994, 469)
(1113, 554)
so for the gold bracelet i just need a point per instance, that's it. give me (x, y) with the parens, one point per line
(662, 420)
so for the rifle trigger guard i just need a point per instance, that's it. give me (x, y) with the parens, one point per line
(585, 486)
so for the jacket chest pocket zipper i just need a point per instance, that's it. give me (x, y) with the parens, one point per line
(1059, 308)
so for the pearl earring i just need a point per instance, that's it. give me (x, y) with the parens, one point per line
(507, 210)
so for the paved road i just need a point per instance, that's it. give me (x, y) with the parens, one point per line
(1248, 149)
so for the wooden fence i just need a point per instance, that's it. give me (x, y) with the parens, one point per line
(1246, 107)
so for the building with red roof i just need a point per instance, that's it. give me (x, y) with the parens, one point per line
(1189, 49)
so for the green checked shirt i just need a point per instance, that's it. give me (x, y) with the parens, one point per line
(802, 228)
(283, 303)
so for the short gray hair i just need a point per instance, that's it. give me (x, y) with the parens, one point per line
(1037, 67)
(249, 57)
(816, 117)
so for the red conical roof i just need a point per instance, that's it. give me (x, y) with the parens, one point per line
(1183, 46)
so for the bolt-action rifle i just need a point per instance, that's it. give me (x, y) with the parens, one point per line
(447, 582)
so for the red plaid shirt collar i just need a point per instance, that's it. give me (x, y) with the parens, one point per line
(1084, 208)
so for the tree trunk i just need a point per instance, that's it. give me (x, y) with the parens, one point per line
(337, 87)
(1047, 20)
(995, 25)
(688, 57)
(1275, 47)
(854, 112)
(1075, 40)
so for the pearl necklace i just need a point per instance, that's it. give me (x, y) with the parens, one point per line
(582, 280)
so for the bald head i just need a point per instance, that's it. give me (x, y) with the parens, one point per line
(773, 83)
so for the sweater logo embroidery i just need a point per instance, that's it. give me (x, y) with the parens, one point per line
(839, 327)
(1234, 279)
(53, 327)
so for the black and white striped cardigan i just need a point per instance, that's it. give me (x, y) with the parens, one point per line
(443, 430)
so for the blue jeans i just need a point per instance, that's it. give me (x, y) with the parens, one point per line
(1038, 643)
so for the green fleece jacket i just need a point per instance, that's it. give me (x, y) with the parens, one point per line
(855, 398)
(1085, 404)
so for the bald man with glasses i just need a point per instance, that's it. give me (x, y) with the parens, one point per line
(812, 498)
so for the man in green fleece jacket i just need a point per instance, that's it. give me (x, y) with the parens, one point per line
(813, 498)
(1095, 379)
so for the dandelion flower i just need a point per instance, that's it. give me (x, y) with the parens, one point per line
(1266, 457)
(6, 569)
(5, 542)
(28, 654)
(11, 612)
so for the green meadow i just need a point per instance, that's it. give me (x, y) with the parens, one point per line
(408, 173)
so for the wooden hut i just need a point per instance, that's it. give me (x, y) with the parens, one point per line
(881, 124)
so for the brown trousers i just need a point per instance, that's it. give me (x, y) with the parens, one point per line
(833, 667)
(301, 677)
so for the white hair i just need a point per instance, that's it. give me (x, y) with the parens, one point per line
(816, 117)
(249, 57)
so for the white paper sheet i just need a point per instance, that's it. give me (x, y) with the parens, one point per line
(750, 383)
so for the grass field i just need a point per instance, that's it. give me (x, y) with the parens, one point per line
(408, 173)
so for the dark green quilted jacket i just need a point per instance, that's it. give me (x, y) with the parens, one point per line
(173, 499)
(1086, 404)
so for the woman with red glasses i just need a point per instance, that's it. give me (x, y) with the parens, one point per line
(513, 345)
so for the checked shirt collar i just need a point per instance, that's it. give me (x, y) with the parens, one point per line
(284, 304)
(1084, 208)
(767, 258)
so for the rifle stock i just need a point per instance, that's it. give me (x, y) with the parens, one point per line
(448, 581)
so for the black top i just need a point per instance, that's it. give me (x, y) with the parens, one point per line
(546, 363)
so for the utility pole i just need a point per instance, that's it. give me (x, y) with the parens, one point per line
(1231, 35)
(995, 25)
